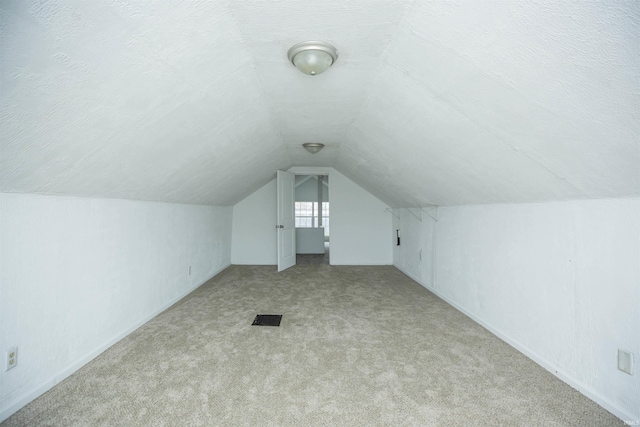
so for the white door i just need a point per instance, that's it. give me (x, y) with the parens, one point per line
(286, 222)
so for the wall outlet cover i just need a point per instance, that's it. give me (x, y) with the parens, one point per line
(12, 358)
(625, 361)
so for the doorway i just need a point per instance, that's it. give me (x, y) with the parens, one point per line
(303, 231)
(312, 215)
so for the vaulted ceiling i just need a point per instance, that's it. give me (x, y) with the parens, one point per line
(429, 102)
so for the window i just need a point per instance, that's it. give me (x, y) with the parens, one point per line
(306, 214)
(325, 218)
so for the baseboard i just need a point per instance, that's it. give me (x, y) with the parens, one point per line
(56, 379)
(363, 264)
(416, 279)
(254, 263)
(619, 412)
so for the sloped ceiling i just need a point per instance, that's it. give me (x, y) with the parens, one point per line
(430, 102)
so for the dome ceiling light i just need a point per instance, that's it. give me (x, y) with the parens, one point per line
(313, 147)
(312, 58)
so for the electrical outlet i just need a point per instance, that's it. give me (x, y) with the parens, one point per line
(12, 358)
(189, 270)
(420, 255)
(625, 361)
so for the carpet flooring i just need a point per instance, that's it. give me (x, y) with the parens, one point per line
(357, 346)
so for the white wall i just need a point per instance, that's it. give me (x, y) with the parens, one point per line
(559, 281)
(310, 241)
(254, 240)
(359, 225)
(415, 255)
(308, 190)
(79, 274)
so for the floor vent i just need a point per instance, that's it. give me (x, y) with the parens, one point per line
(267, 320)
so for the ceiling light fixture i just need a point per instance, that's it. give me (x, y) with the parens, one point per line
(312, 58)
(313, 147)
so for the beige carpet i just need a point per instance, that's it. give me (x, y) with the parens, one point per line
(358, 346)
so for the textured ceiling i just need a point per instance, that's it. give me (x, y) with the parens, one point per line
(430, 102)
